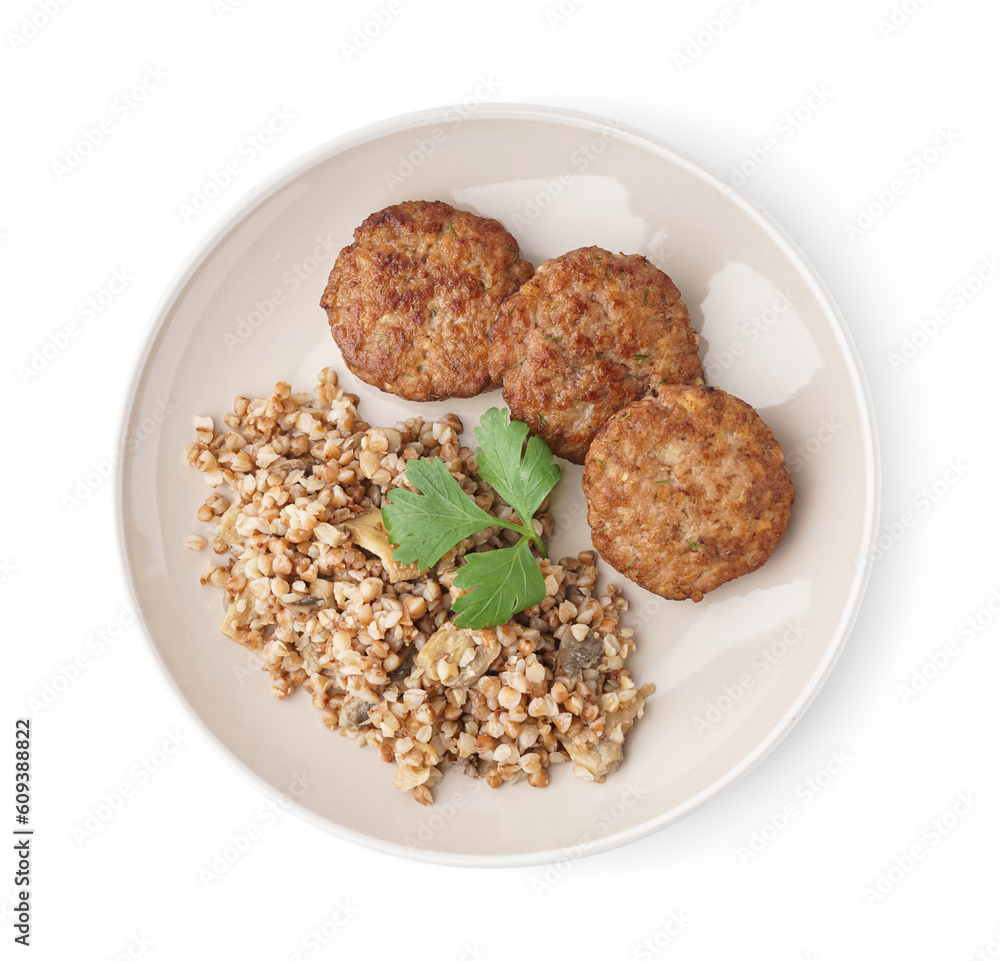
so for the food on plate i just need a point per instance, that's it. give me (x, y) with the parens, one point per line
(313, 585)
(425, 526)
(589, 333)
(686, 489)
(411, 301)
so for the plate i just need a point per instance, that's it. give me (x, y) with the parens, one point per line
(732, 673)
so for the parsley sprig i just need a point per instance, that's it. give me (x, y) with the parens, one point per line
(426, 525)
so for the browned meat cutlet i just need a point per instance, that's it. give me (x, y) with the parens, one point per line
(686, 490)
(589, 333)
(411, 301)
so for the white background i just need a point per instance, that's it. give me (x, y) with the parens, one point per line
(886, 92)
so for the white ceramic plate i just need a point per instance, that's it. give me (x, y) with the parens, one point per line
(732, 673)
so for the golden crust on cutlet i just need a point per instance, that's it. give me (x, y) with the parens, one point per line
(686, 490)
(411, 301)
(589, 333)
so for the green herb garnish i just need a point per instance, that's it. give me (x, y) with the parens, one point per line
(694, 545)
(427, 525)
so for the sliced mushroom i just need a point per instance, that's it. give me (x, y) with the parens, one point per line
(402, 672)
(383, 440)
(603, 757)
(573, 655)
(409, 776)
(320, 596)
(452, 656)
(354, 714)
(368, 532)
(236, 622)
(301, 603)
(333, 535)
(227, 532)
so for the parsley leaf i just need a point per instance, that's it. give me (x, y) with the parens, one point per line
(426, 526)
(499, 583)
(523, 481)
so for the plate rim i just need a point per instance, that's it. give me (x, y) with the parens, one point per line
(245, 203)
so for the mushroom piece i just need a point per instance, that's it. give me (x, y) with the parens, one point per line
(602, 757)
(368, 532)
(452, 657)
(320, 596)
(409, 775)
(573, 655)
(333, 535)
(354, 714)
(236, 623)
(405, 668)
(227, 530)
